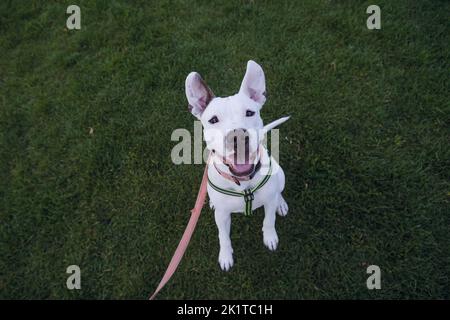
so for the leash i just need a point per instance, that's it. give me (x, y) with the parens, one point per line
(179, 252)
(195, 214)
(248, 193)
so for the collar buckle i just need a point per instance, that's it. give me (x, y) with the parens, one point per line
(248, 195)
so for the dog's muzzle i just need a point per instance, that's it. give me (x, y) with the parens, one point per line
(240, 163)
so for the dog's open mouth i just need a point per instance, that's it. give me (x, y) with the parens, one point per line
(241, 170)
(241, 161)
(241, 164)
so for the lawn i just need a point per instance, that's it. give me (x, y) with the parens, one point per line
(86, 176)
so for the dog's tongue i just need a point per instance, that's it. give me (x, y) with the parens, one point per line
(242, 168)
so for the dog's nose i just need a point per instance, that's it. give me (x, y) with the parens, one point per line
(237, 140)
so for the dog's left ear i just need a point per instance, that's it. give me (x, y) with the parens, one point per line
(254, 83)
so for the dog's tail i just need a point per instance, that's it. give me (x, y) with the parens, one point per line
(273, 124)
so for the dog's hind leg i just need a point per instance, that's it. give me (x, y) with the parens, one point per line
(283, 208)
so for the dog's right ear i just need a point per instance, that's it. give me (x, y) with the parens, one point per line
(198, 94)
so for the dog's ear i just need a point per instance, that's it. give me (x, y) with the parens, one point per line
(198, 94)
(254, 83)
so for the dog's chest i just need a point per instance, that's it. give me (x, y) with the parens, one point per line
(220, 201)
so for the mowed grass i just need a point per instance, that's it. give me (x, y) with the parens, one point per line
(86, 176)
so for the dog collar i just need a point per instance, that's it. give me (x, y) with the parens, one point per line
(248, 194)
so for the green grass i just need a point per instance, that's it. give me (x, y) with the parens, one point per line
(366, 151)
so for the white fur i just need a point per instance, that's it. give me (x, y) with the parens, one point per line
(231, 112)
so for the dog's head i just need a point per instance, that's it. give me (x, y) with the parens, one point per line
(231, 125)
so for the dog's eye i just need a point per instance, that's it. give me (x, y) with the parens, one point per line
(213, 120)
(250, 113)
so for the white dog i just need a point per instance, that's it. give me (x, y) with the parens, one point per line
(242, 176)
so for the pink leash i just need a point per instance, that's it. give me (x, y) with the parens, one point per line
(195, 214)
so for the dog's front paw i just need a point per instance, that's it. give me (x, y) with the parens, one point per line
(226, 259)
(271, 239)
